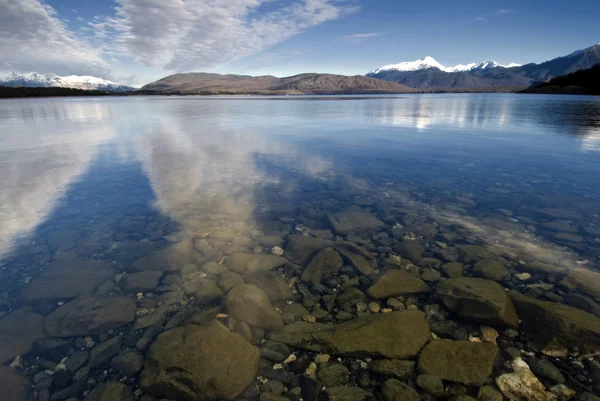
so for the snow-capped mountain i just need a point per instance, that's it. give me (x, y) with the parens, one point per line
(430, 62)
(427, 73)
(34, 79)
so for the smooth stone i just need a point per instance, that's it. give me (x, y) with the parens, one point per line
(432, 385)
(199, 363)
(453, 270)
(410, 250)
(111, 391)
(13, 385)
(295, 309)
(325, 262)
(544, 268)
(128, 363)
(346, 393)
(370, 335)
(19, 330)
(105, 351)
(491, 270)
(463, 362)
(546, 370)
(395, 390)
(250, 304)
(140, 282)
(213, 268)
(558, 329)
(333, 375)
(489, 393)
(172, 258)
(348, 299)
(472, 253)
(228, 280)
(51, 347)
(65, 279)
(480, 300)
(392, 368)
(394, 283)
(262, 263)
(584, 280)
(271, 282)
(76, 361)
(89, 315)
(208, 292)
(354, 220)
(237, 262)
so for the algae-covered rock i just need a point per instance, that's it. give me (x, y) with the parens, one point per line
(397, 282)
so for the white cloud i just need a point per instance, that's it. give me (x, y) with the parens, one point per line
(504, 11)
(179, 35)
(359, 37)
(33, 38)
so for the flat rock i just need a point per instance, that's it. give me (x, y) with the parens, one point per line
(395, 390)
(18, 332)
(392, 368)
(89, 315)
(172, 258)
(395, 282)
(111, 391)
(358, 257)
(208, 292)
(103, 352)
(271, 282)
(372, 335)
(325, 262)
(65, 279)
(13, 385)
(228, 280)
(354, 220)
(263, 263)
(410, 250)
(345, 393)
(250, 304)
(545, 268)
(492, 270)
(463, 362)
(472, 253)
(300, 248)
(584, 280)
(62, 240)
(558, 329)
(480, 300)
(196, 363)
(140, 282)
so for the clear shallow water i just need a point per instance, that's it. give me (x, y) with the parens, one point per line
(121, 180)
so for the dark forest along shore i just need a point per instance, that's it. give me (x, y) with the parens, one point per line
(429, 247)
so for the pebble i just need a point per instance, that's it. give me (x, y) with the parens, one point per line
(322, 358)
(277, 251)
(311, 371)
(374, 307)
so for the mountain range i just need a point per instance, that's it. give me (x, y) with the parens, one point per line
(34, 79)
(428, 74)
(205, 83)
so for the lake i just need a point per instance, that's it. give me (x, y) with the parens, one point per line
(201, 248)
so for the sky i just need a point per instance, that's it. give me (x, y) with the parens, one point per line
(134, 42)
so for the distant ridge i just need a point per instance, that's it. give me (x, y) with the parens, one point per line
(206, 83)
(582, 82)
(39, 80)
(428, 74)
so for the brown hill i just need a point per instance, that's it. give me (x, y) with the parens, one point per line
(205, 83)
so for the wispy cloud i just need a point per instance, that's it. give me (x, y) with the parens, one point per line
(33, 37)
(480, 18)
(504, 11)
(359, 37)
(197, 34)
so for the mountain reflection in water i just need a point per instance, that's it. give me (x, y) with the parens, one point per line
(122, 218)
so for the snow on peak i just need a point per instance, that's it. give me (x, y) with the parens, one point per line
(430, 62)
(422, 64)
(32, 79)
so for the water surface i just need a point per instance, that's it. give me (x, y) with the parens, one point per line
(171, 184)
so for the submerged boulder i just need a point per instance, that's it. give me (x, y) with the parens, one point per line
(271, 282)
(90, 315)
(263, 263)
(250, 304)
(483, 301)
(557, 329)
(18, 332)
(325, 262)
(197, 363)
(357, 257)
(111, 391)
(13, 385)
(397, 282)
(398, 335)
(584, 280)
(354, 219)
(65, 279)
(301, 248)
(463, 362)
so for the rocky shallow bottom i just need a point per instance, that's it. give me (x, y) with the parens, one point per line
(367, 297)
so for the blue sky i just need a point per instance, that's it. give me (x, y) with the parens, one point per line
(137, 41)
